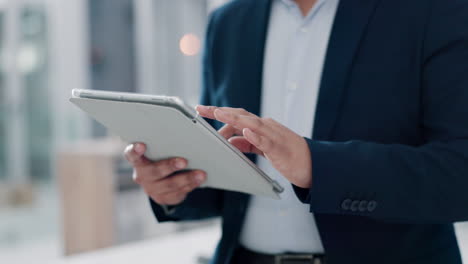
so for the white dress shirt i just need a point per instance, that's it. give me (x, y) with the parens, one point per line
(294, 57)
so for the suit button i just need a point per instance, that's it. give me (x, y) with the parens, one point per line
(346, 204)
(354, 206)
(371, 206)
(362, 206)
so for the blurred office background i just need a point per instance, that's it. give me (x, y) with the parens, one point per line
(64, 186)
(66, 193)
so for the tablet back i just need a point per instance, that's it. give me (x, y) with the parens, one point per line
(169, 133)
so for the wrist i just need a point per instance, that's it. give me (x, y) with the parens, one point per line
(304, 168)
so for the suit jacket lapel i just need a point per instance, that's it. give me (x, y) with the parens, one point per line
(348, 30)
(248, 94)
(251, 46)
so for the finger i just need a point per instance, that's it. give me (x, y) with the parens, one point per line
(240, 122)
(208, 111)
(238, 111)
(164, 168)
(158, 170)
(134, 153)
(244, 145)
(264, 144)
(227, 131)
(179, 181)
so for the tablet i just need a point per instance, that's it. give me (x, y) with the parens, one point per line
(170, 128)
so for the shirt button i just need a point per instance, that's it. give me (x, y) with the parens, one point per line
(292, 86)
(282, 213)
(304, 30)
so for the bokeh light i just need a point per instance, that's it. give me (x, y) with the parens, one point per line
(190, 44)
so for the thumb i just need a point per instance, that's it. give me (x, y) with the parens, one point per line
(134, 154)
(244, 146)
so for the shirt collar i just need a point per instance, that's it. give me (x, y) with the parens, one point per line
(288, 3)
(291, 3)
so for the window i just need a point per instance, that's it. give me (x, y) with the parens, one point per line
(32, 62)
(2, 104)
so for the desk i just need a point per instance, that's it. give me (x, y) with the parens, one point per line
(183, 248)
(179, 248)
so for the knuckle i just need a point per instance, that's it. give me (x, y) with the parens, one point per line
(171, 185)
(194, 185)
(164, 201)
(162, 168)
(262, 142)
(182, 181)
(258, 122)
(268, 144)
(158, 199)
(192, 178)
(177, 182)
(268, 120)
(172, 164)
(169, 199)
(176, 164)
(180, 197)
(187, 189)
(242, 111)
(160, 172)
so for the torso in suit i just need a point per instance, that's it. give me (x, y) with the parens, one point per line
(390, 142)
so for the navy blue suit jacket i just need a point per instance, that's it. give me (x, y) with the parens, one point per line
(390, 144)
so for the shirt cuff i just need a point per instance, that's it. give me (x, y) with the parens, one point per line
(302, 194)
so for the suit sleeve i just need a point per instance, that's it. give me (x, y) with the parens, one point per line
(423, 184)
(201, 203)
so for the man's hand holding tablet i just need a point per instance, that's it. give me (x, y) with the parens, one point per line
(164, 181)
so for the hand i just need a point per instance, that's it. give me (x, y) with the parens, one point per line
(162, 180)
(287, 151)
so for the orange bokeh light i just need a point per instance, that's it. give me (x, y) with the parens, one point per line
(190, 44)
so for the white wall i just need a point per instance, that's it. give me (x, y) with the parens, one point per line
(161, 67)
